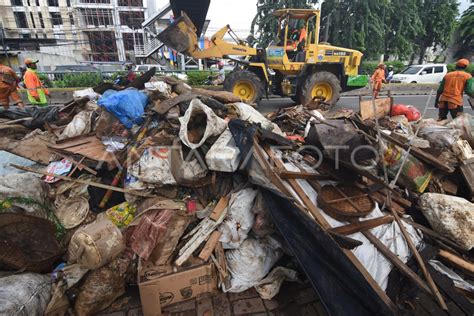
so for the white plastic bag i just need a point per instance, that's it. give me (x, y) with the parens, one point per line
(248, 113)
(251, 262)
(159, 86)
(89, 93)
(214, 124)
(439, 136)
(239, 219)
(465, 125)
(24, 294)
(224, 155)
(154, 166)
(450, 216)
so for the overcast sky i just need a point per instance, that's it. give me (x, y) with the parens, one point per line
(240, 13)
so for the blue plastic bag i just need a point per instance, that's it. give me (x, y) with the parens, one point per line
(127, 105)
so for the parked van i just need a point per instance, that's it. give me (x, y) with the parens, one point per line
(429, 73)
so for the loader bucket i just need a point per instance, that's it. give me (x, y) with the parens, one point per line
(180, 35)
(196, 10)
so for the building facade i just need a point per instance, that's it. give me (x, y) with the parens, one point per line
(112, 27)
(43, 29)
(64, 32)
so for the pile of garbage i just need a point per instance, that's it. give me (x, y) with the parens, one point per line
(184, 191)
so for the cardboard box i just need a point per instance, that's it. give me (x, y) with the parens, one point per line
(160, 287)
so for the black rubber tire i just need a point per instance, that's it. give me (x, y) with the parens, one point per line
(319, 77)
(249, 77)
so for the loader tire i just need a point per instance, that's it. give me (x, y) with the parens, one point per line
(321, 84)
(244, 84)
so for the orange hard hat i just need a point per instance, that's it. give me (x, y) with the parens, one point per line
(463, 63)
(381, 65)
(29, 61)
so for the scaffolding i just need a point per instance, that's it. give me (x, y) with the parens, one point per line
(112, 28)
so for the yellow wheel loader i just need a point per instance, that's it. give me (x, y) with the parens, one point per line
(295, 64)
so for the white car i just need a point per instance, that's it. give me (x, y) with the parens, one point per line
(429, 73)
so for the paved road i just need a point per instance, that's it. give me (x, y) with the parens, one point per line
(419, 101)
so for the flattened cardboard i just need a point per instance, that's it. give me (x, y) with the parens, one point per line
(159, 290)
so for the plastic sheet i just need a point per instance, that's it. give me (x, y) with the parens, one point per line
(40, 115)
(127, 105)
(439, 136)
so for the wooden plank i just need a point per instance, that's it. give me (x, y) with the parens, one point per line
(448, 287)
(397, 262)
(210, 245)
(219, 209)
(316, 213)
(285, 174)
(362, 225)
(457, 261)
(77, 164)
(421, 263)
(411, 245)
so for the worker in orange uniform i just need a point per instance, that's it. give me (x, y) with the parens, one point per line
(37, 93)
(450, 92)
(377, 78)
(8, 87)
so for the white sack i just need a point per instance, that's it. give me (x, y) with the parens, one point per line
(154, 166)
(80, 125)
(215, 125)
(25, 294)
(250, 263)
(239, 219)
(450, 216)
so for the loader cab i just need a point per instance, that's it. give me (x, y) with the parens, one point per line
(297, 31)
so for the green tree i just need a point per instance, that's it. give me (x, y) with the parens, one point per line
(401, 30)
(264, 26)
(465, 33)
(439, 20)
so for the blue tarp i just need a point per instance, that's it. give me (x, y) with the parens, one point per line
(127, 105)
